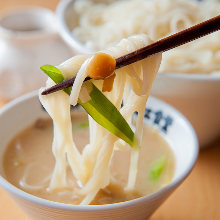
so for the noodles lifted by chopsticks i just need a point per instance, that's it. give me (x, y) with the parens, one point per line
(132, 86)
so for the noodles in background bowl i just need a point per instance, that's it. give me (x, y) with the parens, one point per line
(101, 25)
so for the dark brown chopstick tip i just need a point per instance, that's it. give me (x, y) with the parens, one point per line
(60, 86)
(45, 92)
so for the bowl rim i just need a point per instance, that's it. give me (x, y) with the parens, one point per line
(34, 199)
(77, 45)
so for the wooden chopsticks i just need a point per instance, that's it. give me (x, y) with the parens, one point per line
(162, 45)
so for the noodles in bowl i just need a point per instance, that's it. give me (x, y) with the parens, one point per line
(126, 91)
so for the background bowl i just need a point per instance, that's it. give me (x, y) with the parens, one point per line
(197, 96)
(172, 125)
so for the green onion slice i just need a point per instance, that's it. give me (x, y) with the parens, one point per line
(54, 73)
(157, 168)
(99, 108)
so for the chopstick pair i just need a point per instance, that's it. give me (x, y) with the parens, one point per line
(162, 45)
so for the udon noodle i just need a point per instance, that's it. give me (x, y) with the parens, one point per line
(91, 167)
(101, 25)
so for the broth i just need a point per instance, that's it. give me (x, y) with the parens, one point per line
(28, 163)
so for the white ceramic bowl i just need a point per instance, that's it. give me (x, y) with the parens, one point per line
(23, 111)
(196, 96)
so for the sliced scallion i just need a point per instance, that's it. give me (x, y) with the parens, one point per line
(157, 168)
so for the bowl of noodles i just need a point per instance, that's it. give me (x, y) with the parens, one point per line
(189, 76)
(103, 149)
(27, 192)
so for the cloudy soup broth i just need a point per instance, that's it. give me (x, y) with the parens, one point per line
(28, 164)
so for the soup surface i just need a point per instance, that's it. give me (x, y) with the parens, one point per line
(28, 164)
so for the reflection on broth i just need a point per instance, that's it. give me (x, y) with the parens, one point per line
(28, 164)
